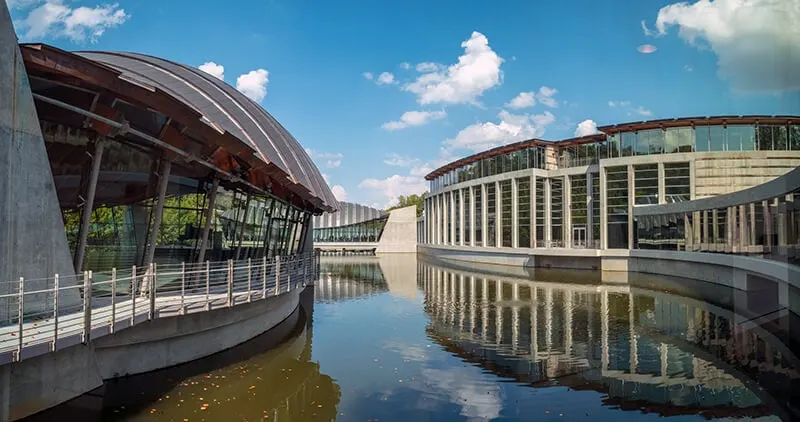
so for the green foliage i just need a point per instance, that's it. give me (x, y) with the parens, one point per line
(407, 201)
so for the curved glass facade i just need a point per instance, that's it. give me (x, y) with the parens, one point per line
(368, 231)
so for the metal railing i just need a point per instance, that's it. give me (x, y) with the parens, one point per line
(46, 315)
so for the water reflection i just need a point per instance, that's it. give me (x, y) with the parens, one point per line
(648, 350)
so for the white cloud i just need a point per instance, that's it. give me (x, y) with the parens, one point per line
(426, 67)
(368, 75)
(56, 20)
(756, 41)
(477, 70)
(643, 111)
(20, 4)
(414, 118)
(545, 96)
(213, 69)
(646, 30)
(253, 84)
(385, 78)
(512, 128)
(523, 100)
(331, 159)
(331, 164)
(339, 193)
(398, 160)
(647, 48)
(619, 103)
(586, 127)
(405, 65)
(688, 68)
(394, 186)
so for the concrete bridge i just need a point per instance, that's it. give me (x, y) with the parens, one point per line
(131, 322)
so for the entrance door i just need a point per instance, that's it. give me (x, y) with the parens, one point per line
(579, 237)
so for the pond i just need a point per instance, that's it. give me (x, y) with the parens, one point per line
(408, 338)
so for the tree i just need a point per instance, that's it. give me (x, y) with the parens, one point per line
(407, 201)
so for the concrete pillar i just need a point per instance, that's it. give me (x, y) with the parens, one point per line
(705, 240)
(782, 226)
(472, 222)
(753, 238)
(163, 181)
(534, 239)
(446, 219)
(662, 189)
(461, 206)
(631, 201)
(484, 216)
(209, 218)
(715, 228)
(603, 209)
(548, 212)
(566, 198)
(590, 210)
(498, 215)
(514, 213)
(743, 231)
(88, 204)
(452, 204)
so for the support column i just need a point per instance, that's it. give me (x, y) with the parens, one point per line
(472, 221)
(566, 219)
(603, 209)
(515, 213)
(452, 218)
(212, 200)
(662, 189)
(631, 201)
(484, 215)
(498, 215)
(548, 210)
(534, 239)
(163, 181)
(590, 210)
(461, 205)
(446, 218)
(88, 205)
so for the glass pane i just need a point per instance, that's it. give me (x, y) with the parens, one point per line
(716, 138)
(702, 138)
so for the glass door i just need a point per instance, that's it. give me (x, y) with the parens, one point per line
(579, 237)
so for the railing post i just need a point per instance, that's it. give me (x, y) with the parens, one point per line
(87, 307)
(230, 283)
(249, 280)
(277, 275)
(264, 278)
(208, 284)
(113, 298)
(183, 286)
(133, 295)
(21, 306)
(151, 314)
(55, 312)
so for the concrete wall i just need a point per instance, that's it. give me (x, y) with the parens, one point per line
(400, 233)
(718, 173)
(33, 243)
(48, 380)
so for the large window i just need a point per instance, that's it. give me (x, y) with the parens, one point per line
(579, 210)
(557, 212)
(524, 212)
(646, 184)
(507, 221)
(679, 139)
(676, 182)
(476, 190)
(491, 215)
(741, 138)
(617, 207)
(540, 218)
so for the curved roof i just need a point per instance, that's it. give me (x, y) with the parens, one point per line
(610, 130)
(224, 108)
(349, 213)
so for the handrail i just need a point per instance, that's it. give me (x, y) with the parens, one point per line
(782, 185)
(63, 311)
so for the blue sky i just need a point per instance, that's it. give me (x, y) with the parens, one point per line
(317, 67)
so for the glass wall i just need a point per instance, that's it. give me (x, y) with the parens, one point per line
(507, 213)
(645, 184)
(579, 211)
(491, 215)
(557, 212)
(476, 190)
(368, 231)
(523, 159)
(524, 212)
(617, 206)
(677, 182)
(457, 218)
(540, 218)
(467, 216)
(595, 209)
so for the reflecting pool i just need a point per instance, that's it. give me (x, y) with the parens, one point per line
(411, 339)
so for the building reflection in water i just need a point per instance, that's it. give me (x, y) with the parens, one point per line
(243, 383)
(647, 350)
